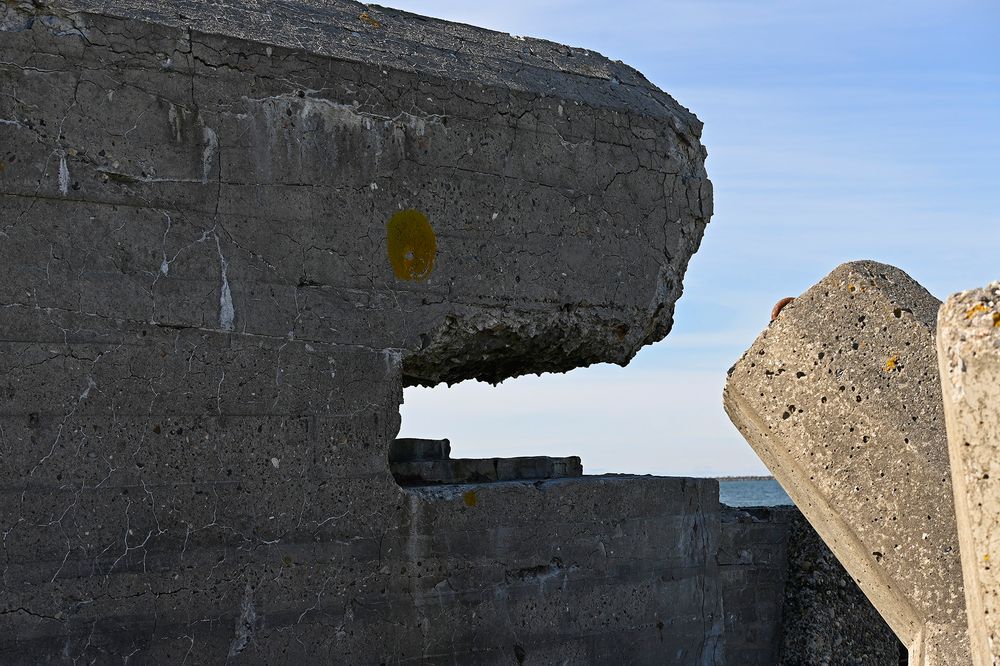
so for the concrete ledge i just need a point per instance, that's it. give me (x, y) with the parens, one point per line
(485, 470)
(411, 449)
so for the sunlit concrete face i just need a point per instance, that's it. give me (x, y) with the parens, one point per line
(968, 346)
(230, 236)
(840, 396)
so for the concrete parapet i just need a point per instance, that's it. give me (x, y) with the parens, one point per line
(969, 356)
(840, 396)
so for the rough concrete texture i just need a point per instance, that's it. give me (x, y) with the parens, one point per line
(788, 601)
(230, 233)
(481, 470)
(412, 449)
(969, 356)
(826, 619)
(753, 568)
(537, 203)
(840, 397)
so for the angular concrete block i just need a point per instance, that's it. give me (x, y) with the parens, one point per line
(840, 397)
(414, 449)
(969, 355)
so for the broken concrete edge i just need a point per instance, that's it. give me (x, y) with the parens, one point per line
(901, 616)
(968, 345)
(534, 348)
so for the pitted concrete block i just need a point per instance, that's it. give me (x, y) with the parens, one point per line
(413, 449)
(230, 233)
(840, 397)
(969, 355)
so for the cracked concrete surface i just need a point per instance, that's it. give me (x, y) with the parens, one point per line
(205, 344)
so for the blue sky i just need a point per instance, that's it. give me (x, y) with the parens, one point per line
(835, 131)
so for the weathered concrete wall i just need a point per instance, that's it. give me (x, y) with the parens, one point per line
(753, 569)
(605, 570)
(826, 619)
(969, 356)
(787, 600)
(231, 233)
(840, 397)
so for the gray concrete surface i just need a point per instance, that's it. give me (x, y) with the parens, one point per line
(482, 470)
(840, 396)
(787, 600)
(968, 346)
(826, 619)
(753, 568)
(230, 233)
(413, 449)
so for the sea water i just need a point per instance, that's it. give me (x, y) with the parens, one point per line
(752, 492)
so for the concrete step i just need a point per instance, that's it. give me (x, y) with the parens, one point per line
(412, 449)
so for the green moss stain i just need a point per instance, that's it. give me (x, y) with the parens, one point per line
(470, 498)
(411, 244)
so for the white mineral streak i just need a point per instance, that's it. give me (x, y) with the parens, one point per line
(211, 146)
(227, 313)
(63, 175)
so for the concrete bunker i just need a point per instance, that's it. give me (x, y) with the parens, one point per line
(240, 286)
(208, 329)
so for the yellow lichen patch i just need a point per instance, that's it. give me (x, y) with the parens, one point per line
(975, 309)
(469, 497)
(986, 557)
(996, 319)
(370, 20)
(891, 363)
(411, 244)
(851, 287)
